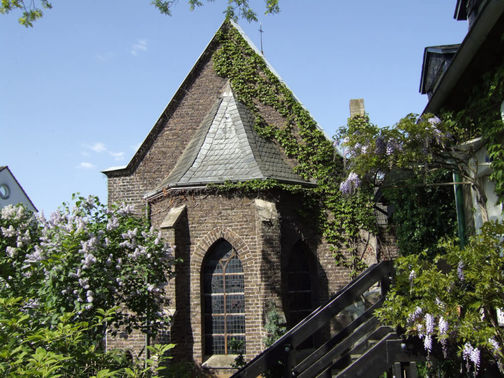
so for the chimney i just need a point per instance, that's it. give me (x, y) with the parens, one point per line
(356, 107)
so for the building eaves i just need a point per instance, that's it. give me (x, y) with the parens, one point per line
(487, 19)
(430, 74)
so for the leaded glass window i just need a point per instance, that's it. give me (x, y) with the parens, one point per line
(224, 301)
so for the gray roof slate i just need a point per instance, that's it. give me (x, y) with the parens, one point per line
(226, 148)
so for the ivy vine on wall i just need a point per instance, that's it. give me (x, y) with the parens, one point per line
(339, 218)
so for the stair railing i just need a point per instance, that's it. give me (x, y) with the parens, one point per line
(280, 350)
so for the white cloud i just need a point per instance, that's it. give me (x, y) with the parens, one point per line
(117, 155)
(98, 147)
(139, 46)
(106, 56)
(86, 165)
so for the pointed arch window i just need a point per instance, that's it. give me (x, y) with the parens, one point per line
(224, 301)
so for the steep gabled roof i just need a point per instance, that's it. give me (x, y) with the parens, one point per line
(226, 148)
(179, 95)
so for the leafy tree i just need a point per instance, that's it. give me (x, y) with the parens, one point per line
(422, 145)
(33, 10)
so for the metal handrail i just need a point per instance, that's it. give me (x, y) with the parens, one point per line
(279, 351)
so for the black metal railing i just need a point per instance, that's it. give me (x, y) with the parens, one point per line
(279, 355)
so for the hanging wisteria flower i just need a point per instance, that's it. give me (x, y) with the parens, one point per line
(434, 121)
(415, 314)
(412, 276)
(442, 326)
(443, 334)
(428, 344)
(429, 324)
(392, 147)
(494, 344)
(460, 270)
(470, 354)
(420, 330)
(351, 184)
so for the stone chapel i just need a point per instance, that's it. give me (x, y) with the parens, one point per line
(242, 251)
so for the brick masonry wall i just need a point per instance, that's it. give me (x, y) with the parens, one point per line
(263, 246)
(177, 130)
(208, 219)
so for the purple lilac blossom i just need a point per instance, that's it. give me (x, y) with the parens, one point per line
(35, 256)
(112, 223)
(10, 251)
(8, 232)
(125, 209)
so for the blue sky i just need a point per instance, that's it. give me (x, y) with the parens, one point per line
(81, 89)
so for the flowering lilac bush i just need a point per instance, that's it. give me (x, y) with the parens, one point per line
(84, 258)
(64, 279)
(453, 300)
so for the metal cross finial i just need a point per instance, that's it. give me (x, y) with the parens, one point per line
(261, 31)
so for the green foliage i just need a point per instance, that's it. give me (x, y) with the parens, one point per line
(458, 295)
(30, 348)
(422, 210)
(339, 218)
(274, 325)
(32, 11)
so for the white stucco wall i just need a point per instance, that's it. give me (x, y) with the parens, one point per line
(17, 194)
(484, 170)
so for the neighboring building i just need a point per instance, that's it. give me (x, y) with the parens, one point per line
(11, 192)
(241, 251)
(451, 76)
